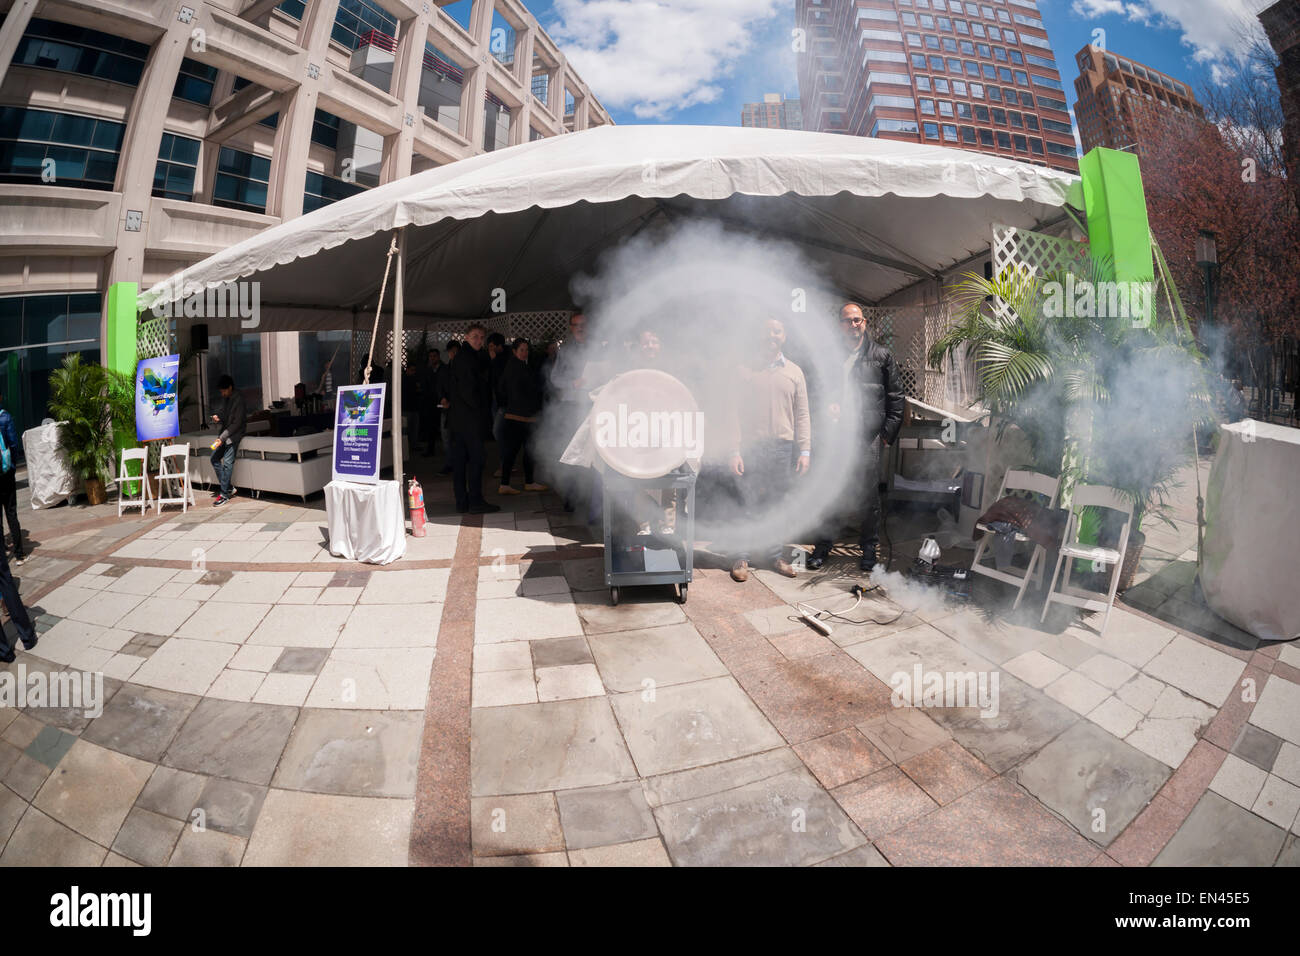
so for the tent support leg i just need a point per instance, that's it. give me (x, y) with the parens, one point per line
(399, 304)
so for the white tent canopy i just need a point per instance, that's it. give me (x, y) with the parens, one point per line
(877, 215)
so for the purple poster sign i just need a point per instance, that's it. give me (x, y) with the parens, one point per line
(358, 433)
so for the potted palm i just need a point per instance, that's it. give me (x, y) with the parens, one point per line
(97, 408)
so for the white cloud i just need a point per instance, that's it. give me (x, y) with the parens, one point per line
(658, 58)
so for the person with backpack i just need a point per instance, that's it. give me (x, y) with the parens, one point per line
(9, 483)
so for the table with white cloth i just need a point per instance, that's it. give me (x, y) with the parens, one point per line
(1252, 530)
(366, 522)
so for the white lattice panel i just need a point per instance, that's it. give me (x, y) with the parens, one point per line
(1034, 252)
(153, 337)
(535, 326)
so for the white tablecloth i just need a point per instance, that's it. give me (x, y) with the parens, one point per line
(1252, 525)
(366, 522)
(48, 476)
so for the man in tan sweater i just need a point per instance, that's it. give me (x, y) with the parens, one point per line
(774, 439)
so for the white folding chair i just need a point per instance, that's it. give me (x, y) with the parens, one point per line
(125, 480)
(1018, 481)
(174, 468)
(1090, 496)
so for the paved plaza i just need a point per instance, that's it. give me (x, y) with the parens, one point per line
(481, 702)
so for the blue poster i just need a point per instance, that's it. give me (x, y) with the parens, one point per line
(157, 405)
(358, 432)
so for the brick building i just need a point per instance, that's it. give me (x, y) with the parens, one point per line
(1124, 104)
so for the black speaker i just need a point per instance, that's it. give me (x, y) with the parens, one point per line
(988, 269)
(199, 338)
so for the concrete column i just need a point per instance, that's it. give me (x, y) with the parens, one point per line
(15, 25)
(555, 92)
(407, 68)
(521, 122)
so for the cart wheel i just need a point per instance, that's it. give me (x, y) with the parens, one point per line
(681, 593)
(613, 596)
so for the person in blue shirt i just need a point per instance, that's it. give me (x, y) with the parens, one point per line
(9, 485)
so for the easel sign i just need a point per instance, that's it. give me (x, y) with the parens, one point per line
(358, 433)
(157, 405)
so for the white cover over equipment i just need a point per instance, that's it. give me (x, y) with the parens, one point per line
(365, 521)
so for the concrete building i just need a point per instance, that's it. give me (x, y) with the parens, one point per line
(1124, 104)
(1282, 24)
(775, 112)
(139, 136)
(976, 75)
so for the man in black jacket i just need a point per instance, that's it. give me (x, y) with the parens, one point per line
(873, 392)
(231, 416)
(469, 414)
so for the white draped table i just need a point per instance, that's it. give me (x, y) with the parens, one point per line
(366, 522)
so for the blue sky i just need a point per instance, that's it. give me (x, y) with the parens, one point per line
(699, 61)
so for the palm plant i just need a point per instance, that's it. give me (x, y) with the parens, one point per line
(97, 406)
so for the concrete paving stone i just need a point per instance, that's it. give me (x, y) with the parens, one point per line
(568, 681)
(50, 746)
(903, 732)
(1035, 669)
(1077, 692)
(92, 790)
(314, 579)
(1287, 764)
(531, 586)
(112, 639)
(524, 860)
(778, 619)
(67, 639)
(784, 820)
(898, 653)
(603, 816)
(555, 652)
(236, 685)
(640, 608)
(531, 618)
(136, 549)
(1239, 781)
(362, 753)
(508, 657)
(1278, 802)
(142, 581)
(63, 600)
(293, 626)
(172, 589)
(585, 575)
(673, 654)
(25, 776)
(187, 667)
(93, 582)
(39, 840)
(107, 609)
(641, 853)
(147, 838)
(255, 587)
(1290, 654)
(504, 688)
(290, 690)
(687, 725)
(256, 657)
(12, 808)
(1109, 672)
(1087, 770)
(158, 615)
(1141, 693)
(513, 825)
(946, 772)
(866, 855)
(339, 595)
(994, 640)
(883, 802)
(1115, 717)
(141, 721)
(91, 659)
(296, 595)
(300, 660)
(240, 552)
(231, 739)
(1278, 709)
(558, 745)
(1199, 670)
(172, 793)
(1219, 833)
(407, 587)
(312, 829)
(1132, 639)
(393, 678)
(289, 552)
(387, 625)
(996, 824)
(715, 778)
(816, 696)
(207, 847)
(1026, 721)
(1290, 855)
(229, 806)
(225, 622)
(839, 758)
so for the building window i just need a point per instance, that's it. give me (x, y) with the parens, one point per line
(949, 133)
(1036, 147)
(178, 160)
(50, 45)
(1020, 143)
(1059, 149)
(945, 108)
(927, 107)
(986, 137)
(931, 130)
(194, 82)
(1031, 122)
(1004, 140)
(356, 18)
(968, 134)
(995, 94)
(981, 113)
(999, 117)
(1014, 119)
(940, 85)
(325, 129)
(241, 180)
(893, 126)
(58, 149)
(923, 84)
(931, 42)
(964, 111)
(36, 333)
(322, 190)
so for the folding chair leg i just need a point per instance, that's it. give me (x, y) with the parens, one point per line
(1029, 573)
(1051, 586)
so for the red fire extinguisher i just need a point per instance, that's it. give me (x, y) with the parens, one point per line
(415, 498)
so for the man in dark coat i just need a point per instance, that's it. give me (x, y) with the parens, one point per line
(873, 390)
(470, 417)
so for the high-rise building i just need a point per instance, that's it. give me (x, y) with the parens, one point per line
(775, 112)
(976, 75)
(1124, 104)
(1282, 24)
(140, 136)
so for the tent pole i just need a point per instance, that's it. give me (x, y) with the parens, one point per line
(399, 302)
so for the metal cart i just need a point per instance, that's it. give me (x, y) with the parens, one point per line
(641, 559)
